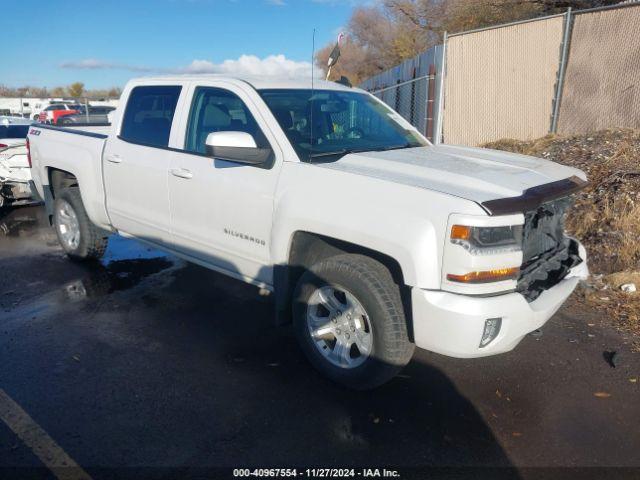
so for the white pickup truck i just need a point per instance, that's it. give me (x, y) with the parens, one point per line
(371, 239)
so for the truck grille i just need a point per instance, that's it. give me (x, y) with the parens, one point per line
(548, 254)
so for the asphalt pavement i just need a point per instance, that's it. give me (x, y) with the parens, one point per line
(146, 366)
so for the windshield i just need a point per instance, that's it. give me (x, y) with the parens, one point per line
(343, 122)
(14, 131)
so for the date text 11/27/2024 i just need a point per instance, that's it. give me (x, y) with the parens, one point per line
(316, 473)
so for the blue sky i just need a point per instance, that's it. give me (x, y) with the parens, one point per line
(103, 43)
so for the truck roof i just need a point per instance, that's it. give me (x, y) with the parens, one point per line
(259, 83)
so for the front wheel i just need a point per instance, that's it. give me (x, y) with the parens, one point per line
(78, 236)
(349, 320)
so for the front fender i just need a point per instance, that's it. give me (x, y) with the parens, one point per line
(405, 223)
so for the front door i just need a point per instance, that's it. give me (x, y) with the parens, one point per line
(221, 211)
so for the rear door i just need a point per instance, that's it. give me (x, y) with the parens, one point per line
(136, 164)
(221, 211)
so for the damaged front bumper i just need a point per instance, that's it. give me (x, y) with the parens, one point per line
(548, 269)
(453, 324)
(16, 193)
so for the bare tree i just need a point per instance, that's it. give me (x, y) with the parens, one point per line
(353, 62)
(58, 92)
(470, 14)
(427, 16)
(547, 7)
(43, 92)
(114, 92)
(76, 89)
(385, 34)
(377, 39)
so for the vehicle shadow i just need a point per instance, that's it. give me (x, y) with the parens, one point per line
(285, 413)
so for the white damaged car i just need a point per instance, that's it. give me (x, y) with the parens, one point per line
(15, 171)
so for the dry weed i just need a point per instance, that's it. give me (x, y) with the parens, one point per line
(606, 215)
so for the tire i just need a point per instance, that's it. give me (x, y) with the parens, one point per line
(369, 285)
(86, 242)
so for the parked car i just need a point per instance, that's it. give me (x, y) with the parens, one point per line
(39, 105)
(15, 171)
(372, 240)
(54, 112)
(97, 115)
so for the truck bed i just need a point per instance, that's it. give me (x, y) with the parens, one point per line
(90, 128)
(77, 150)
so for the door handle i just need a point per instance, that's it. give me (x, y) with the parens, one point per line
(181, 173)
(114, 158)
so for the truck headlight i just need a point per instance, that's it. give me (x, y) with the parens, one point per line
(487, 240)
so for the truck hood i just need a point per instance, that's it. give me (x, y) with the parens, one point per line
(475, 174)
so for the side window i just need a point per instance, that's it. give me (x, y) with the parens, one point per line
(218, 110)
(149, 113)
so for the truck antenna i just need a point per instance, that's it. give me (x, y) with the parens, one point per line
(313, 61)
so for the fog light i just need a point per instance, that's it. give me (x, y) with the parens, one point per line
(491, 331)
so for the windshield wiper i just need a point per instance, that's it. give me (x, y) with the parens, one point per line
(344, 151)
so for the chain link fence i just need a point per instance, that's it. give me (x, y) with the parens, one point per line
(409, 99)
(413, 89)
(571, 73)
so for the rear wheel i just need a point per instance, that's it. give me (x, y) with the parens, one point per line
(349, 320)
(79, 237)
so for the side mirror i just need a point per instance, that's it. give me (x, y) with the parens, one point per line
(236, 147)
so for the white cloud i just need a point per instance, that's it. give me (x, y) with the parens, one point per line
(272, 65)
(93, 64)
